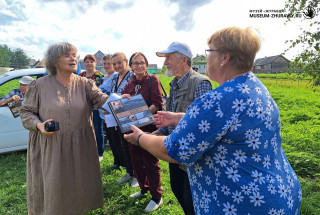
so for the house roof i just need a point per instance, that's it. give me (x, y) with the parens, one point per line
(152, 66)
(40, 64)
(33, 62)
(99, 54)
(267, 60)
(197, 57)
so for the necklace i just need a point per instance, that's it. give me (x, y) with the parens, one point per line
(137, 88)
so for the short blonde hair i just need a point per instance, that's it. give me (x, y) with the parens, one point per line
(121, 54)
(241, 44)
(54, 52)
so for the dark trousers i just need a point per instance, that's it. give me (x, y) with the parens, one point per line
(120, 148)
(126, 153)
(98, 129)
(113, 141)
(181, 188)
(146, 169)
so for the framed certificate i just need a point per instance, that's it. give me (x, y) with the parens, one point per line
(133, 111)
(14, 107)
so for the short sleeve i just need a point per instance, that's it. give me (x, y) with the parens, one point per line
(95, 96)
(29, 112)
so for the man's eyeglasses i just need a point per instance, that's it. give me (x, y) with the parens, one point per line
(138, 63)
(207, 51)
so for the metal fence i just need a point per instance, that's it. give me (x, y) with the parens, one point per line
(281, 74)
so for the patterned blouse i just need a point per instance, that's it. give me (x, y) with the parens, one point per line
(106, 85)
(231, 143)
(119, 89)
(97, 77)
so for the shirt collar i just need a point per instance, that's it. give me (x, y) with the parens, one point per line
(175, 83)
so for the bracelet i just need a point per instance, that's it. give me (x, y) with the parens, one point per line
(139, 139)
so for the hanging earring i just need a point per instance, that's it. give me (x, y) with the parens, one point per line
(221, 64)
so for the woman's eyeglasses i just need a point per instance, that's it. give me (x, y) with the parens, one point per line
(71, 57)
(207, 51)
(138, 63)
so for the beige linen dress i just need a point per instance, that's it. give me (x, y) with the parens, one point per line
(63, 172)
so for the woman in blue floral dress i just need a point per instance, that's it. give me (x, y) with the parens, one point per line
(230, 137)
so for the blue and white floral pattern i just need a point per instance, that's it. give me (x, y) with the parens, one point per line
(230, 141)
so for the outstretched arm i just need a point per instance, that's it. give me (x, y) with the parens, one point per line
(15, 98)
(153, 144)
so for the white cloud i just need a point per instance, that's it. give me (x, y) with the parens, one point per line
(8, 12)
(140, 25)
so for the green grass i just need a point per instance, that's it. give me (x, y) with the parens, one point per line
(12, 183)
(116, 197)
(288, 76)
(7, 87)
(300, 118)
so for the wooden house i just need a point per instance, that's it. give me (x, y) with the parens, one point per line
(152, 68)
(199, 64)
(99, 57)
(271, 64)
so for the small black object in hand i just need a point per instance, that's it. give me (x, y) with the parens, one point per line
(51, 126)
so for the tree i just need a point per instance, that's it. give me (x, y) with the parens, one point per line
(5, 56)
(19, 59)
(162, 70)
(308, 60)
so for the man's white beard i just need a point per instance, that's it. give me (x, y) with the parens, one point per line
(169, 73)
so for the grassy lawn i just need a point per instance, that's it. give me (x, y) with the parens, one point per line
(117, 200)
(300, 118)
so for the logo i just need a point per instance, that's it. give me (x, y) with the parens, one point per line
(309, 12)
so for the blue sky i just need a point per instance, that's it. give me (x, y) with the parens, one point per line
(137, 25)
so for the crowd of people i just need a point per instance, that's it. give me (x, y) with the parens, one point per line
(223, 145)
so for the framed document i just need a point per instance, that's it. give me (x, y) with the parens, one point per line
(132, 111)
(14, 107)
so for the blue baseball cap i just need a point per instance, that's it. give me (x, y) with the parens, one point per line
(176, 47)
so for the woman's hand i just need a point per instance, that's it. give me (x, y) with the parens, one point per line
(132, 137)
(105, 112)
(167, 118)
(126, 96)
(40, 127)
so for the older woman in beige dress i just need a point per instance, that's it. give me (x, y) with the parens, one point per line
(63, 173)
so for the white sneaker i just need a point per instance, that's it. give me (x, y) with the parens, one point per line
(125, 179)
(153, 206)
(100, 158)
(134, 183)
(136, 195)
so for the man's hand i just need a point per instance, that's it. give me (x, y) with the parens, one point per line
(167, 118)
(15, 98)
